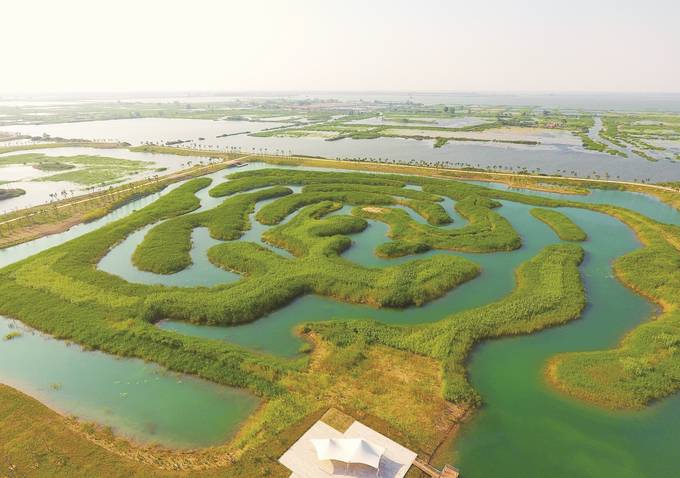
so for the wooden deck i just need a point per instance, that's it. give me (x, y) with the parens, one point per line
(447, 472)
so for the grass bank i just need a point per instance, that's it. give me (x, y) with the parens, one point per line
(564, 227)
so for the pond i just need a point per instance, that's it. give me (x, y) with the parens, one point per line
(138, 400)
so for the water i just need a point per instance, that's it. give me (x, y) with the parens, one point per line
(200, 273)
(39, 192)
(524, 426)
(139, 400)
(645, 204)
(550, 158)
(274, 333)
(136, 131)
(629, 149)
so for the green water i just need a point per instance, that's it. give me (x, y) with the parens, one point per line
(137, 399)
(524, 429)
(274, 333)
(645, 204)
(529, 429)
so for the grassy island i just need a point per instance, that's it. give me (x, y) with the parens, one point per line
(9, 193)
(564, 227)
(646, 364)
(548, 292)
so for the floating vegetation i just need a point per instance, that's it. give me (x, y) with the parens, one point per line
(12, 335)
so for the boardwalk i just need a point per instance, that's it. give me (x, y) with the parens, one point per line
(447, 472)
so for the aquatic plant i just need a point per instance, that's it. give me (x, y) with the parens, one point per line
(564, 227)
(645, 365)
(548, 292)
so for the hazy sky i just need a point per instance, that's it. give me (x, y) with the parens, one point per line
(473, 45)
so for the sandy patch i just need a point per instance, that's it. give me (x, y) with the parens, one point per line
(374, 210)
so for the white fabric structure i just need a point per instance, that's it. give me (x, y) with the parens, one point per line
(302, 459)
(348, 450)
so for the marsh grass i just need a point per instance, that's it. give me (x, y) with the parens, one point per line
(564, 227)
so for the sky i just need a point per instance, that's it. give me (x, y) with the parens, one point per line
(369, 45)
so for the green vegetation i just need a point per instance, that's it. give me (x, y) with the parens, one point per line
(7, 193)
(275, 212)
(371, 370)
(27, 224)
(53, 166)
(644, 155)
(49, 143)
(549, 292)
(560, 223)
(60, 290)
(166, 247)
(272, 281)
(646, 364)
(247, 180)
(420, 122)
(92, 169)
(433, 213)
(592, 145)
(12, 335)
(487, 231)
(643, 133)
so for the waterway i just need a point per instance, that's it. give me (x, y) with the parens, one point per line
(524, 428)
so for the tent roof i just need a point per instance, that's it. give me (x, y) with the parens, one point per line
(348, 450)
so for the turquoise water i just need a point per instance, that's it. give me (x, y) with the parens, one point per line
(137, 399)
(645, 204)
(274, 333)
(527, 427)
(524, 428)
(524, 425)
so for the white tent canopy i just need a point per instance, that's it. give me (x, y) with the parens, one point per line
(348, 450)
